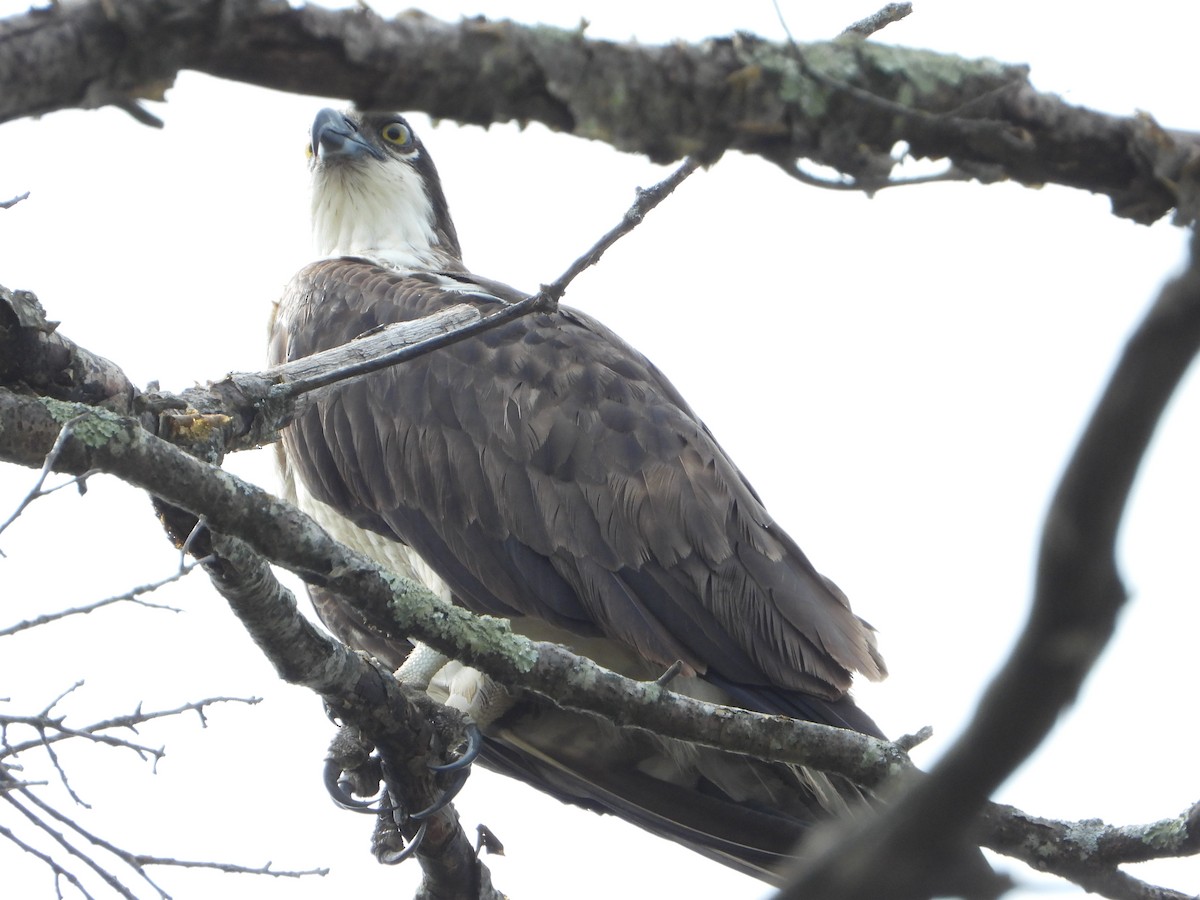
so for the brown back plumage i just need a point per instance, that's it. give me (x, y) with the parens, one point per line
(547, 469)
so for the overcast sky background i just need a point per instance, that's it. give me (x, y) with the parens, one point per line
(901, 378)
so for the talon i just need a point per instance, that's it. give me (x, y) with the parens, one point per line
(469, 755)
(392, 857)
(331, 715)
(339, 789)
(451, 791)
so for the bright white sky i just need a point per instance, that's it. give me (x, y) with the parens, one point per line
(901, 378)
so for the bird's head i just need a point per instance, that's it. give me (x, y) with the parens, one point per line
(376, 193)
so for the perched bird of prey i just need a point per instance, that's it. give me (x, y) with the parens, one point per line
(547, 472)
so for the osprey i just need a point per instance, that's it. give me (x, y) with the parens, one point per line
(547, 472)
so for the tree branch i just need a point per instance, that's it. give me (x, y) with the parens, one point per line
(286, 537)
(403, 724)
(1090, 852)
(667, 102)
(20, 797)
(879, 20)
(1078, 595)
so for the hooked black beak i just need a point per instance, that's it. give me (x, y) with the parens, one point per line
(334, 135)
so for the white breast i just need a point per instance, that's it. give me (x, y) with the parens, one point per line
(389, 553)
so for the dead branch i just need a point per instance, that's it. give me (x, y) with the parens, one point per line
(841, 108)
(879, 20)
(545, 299)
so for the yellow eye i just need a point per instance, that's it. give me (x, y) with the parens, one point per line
(396, 133)
(308, 151)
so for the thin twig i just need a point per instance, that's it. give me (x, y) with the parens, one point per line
(62, 776)
(136, 861)
(47, 467)
(94, 732)
(140, 860)
(893, 12)
(93, 839)
(545, 299)
(58, 870)
(111, 880)
(949, 122)
(647, 199)
(53, 703)
(130, 596)
(908, 741)
(40, 813)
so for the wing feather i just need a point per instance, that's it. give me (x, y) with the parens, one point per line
(545, 468)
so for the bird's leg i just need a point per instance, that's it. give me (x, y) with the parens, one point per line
(477, 697)
(420, 666)
(353, 767)
(480, 699)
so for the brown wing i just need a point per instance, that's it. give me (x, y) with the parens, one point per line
(547, 469)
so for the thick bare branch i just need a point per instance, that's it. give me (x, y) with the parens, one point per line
(1090, 852)
(668, 102)
(247, 408)
(1078, 595)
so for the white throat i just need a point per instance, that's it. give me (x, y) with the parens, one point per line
(377, 211)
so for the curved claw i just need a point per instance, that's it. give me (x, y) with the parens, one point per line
(474, 745)
(331, 715)
(339, 790)
(451, 791)
(399, 856)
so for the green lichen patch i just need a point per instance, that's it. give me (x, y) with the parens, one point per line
(92, 427)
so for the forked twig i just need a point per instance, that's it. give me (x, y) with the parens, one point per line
(38, 490)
